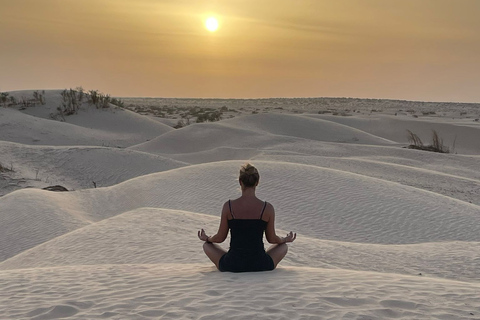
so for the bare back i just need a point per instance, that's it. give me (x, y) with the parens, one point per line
(247, 208)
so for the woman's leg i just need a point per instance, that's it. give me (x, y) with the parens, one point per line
(277, 252)
(214, 252)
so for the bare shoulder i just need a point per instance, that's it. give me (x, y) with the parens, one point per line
(269, 212)
(226, 207)
(226, 210)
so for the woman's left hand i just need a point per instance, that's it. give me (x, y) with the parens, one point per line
(290, 237)
(202, 235)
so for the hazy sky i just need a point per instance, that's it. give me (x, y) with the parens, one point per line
(401, 49)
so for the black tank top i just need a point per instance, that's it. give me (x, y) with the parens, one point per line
(247, 234)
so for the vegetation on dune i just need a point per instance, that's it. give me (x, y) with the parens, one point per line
(209, 116)
(436, 145)
(4, 98)
(39, 97)
(188, 115)
(10, 101)
(74, 99)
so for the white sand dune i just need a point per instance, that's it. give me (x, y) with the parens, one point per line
(195, 291)
(460, 182)
(305, 127)
(113, 127)
(146, 236)
(383, 232)
(327, 204)
(255, 131)
(456, 134)
(78, 167)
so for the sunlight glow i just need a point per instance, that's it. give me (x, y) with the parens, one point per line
(211, 24)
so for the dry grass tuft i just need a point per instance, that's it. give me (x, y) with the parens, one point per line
(436, 145)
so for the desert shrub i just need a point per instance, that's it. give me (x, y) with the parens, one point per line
(103, 101)
(93, 97)
(70, 102)
(180, 124)
(413, 139)
(4, 98)
(39, 97)
(81, 94)
(25, 103)
(209, 116)
(117, 102)
(436, 145)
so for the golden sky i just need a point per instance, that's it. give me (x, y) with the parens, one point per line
(400, 49)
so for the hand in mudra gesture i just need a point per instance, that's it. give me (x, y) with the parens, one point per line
(202, 235)
(290, 237)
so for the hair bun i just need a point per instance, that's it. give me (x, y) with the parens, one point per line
(248, 169)
(249, 175)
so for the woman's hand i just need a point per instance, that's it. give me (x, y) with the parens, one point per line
(290, 237)
(202, 235)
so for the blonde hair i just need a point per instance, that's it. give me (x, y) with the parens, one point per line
(249, 175)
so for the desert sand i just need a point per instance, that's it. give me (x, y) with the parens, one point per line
(383, 231)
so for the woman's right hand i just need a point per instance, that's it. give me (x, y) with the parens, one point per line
(202, 235)
(290, 237)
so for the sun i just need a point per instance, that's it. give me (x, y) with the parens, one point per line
(211, 24)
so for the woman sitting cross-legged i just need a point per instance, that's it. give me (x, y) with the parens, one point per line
(247, 218)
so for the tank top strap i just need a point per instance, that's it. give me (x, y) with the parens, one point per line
(263, 210)
(230, 206)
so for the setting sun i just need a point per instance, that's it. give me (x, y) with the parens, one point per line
(211, 24)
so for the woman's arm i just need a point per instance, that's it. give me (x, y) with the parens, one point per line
(222, 229)
(270, 234)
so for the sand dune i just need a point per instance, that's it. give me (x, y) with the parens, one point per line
(42, 217)
(383, 232)
(305, 127)
(256, 131)
(146, 236)
(78, 167)
(327, 204)
(460, 183)
(176, 291)
(456, 134)
(113, 127)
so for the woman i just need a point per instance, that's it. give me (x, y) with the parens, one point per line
(247, 218)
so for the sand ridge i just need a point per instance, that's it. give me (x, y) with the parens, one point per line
(146, 236)
(179, 291)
